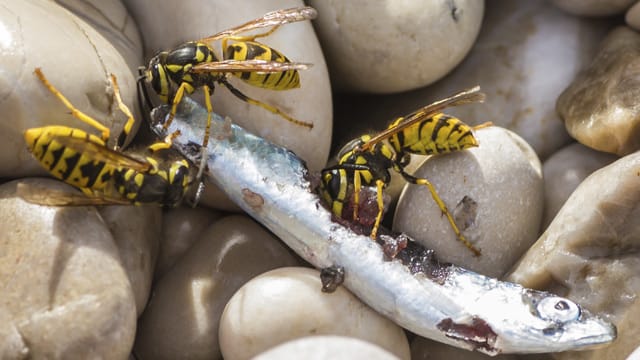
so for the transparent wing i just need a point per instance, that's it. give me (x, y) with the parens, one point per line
(102, 153)
(42, 195)
(229, 66)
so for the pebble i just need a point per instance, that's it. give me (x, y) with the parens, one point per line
(136, 230)
(635, 355)
(593, 7)
(326, 347)
(426, 349)
(65, 292)
(181, 320)
(181, 228)
(502, 181)
(599, 108)
(287, 304)
(39, 33)
(589, 253)
(515, 60)
(632, 17)
(164, 27)
(415, 44)
(564, 171)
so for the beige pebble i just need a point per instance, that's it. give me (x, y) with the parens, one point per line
(326, 347)
(564, 171)
(635, 355)
(501, 181)
(599, 106)
(112, 20)
(593, 7)
(164, 27)
(181, 228)
(515, 61)
(64, 288)
(632, 17)
(288, 303)
(589, 253)
(76, 59)
(181, 320)
(387, 47)
(426, 349)
(136, 230)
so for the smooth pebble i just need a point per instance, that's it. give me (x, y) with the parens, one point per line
(632, 17)
(589, 253)
(593, 7)
(75, 58)
(599, 107)
(426, 349)
(326, 347)
(414, 43)
(564, 171)
(65, 292)
(181, 320)
(287, 303)
(515, 61)
(494, 190)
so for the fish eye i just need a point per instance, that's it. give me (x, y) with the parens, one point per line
(558, 309)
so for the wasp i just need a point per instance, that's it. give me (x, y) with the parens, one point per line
(366, 160)
(105, 175)
(194, 64)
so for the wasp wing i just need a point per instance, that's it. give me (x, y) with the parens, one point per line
(472, 95)
(230, 66)
(101, 153)
(42, 195)
(274, 18)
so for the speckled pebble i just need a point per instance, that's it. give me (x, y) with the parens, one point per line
(286, 304)
(181, 320)
(383, 58)
(599, 108)
(326, 347)
(564, 171)
(181, 228)
(593, 7)
(589, 253)
(65, 292)
(75, 58)
(502, 178)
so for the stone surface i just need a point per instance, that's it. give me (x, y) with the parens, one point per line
(65, 293)
(112, 20)
(589, 253)
(181, 320)
(75, 58)
(632, 17)
(390, 46)
(286, 304)
(599, 107)
(136, 231)
(503, 176)
(516, 61)
(181, 228)
(564, 171)
(593, 7)
(326, 347)
(164, 27)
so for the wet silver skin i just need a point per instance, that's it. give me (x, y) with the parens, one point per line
(463, 309)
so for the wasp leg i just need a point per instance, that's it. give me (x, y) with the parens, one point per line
(443, 208)
(376, 225)
(126, 130)
(268, 107)
(74, 111)
(184, 86)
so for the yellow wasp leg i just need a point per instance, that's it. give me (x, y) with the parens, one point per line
(356, 194)
(268, 107)
(74, 112)
(166, 144)
(376, 225)
(176, 100)
(125, 110)
(444, 210)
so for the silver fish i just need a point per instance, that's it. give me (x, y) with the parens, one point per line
(445, 303)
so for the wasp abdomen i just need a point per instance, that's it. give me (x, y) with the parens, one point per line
(250, 50)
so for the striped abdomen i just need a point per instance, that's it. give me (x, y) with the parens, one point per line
(249, 50)
(73, 167)
(160, 185)
(437, 134)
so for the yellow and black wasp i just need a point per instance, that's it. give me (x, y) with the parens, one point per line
(105, 175)
(194, 64)
(366, 160)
